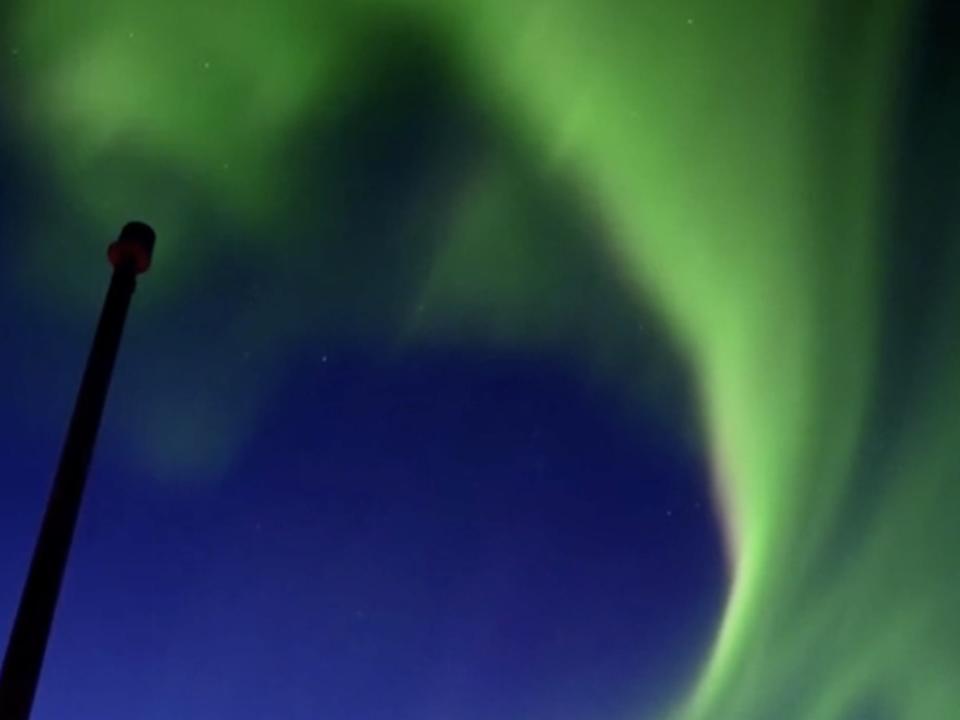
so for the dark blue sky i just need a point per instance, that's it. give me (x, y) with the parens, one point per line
(442, 534)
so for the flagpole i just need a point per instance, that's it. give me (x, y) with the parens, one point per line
(130, 256)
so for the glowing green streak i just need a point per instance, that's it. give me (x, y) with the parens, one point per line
(702, 144)
(741, 196)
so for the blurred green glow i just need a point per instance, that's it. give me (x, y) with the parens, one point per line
(737, 158)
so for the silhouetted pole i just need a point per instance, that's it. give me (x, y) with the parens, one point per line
(130, 255)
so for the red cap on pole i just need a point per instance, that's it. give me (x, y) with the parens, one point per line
(133, 248)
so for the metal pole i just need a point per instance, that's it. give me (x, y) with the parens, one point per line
(130, 255)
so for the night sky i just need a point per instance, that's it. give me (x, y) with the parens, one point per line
(542, 360)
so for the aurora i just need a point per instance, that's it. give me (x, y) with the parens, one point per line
(773, 184)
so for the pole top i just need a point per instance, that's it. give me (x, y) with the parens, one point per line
(134, 247)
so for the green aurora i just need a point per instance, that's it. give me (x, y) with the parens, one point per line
(741, 159)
